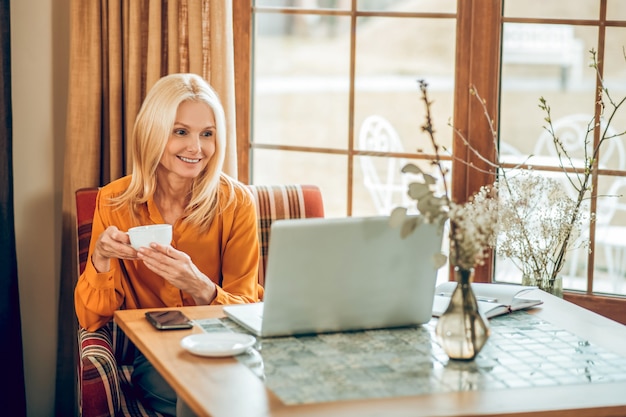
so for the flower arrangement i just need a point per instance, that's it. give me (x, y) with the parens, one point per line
(525, 216)
(461, 330)
(538, 220)
(540, 223)
(472, 225)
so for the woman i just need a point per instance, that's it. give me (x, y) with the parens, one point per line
(178, 149)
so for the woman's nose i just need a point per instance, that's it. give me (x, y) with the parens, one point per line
(193, 143)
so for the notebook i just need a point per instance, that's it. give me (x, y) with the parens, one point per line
(342, 274)
(494, 299)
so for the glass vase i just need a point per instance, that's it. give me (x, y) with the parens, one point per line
(462, 330)
(554, 287)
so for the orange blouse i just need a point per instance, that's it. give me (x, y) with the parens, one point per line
(228, 253)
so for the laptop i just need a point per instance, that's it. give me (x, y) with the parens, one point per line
(343, 274)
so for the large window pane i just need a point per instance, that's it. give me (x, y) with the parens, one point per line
(380, 186)
(440, 6)
(616, 10)
(301, 89)
(329, 172)
(610, 253)
(531, 70)
(547, 56)
(304, 4)
(615, 66)
(387, 76)
(581, 9)
(301, 84)
(610, 248)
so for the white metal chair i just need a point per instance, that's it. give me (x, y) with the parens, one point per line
(382, 176)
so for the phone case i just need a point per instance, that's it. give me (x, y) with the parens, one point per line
(169, 320)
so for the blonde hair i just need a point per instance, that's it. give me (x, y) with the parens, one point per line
(151, 132)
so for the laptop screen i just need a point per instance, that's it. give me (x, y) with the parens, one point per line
(353, 273)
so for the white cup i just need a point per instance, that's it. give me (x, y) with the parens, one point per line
(142, 236)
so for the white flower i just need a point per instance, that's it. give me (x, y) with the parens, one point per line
(539, 223)
(473, 228)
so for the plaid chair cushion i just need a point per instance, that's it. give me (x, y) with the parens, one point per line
(106, 355)
(276, 202)
(105, 367)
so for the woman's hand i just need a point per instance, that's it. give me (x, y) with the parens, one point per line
(177, 268)
(112, 243)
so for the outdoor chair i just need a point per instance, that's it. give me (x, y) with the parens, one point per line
(105, 356)
(382, 176)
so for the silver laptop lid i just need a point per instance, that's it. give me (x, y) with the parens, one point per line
(340, 274)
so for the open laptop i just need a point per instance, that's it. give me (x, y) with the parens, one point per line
(341, 274)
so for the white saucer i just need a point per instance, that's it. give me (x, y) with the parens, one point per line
(217, 344)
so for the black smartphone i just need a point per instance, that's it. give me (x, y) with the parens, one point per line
(169, 320)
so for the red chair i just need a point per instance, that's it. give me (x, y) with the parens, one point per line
(105, 356)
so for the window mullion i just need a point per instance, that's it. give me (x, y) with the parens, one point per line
(478, 60)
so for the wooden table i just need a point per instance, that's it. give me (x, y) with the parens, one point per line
(223, 387)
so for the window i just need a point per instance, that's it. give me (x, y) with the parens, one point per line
(314, 75)
(545, 53)
(322, 71)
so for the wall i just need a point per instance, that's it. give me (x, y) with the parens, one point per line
(39, 62)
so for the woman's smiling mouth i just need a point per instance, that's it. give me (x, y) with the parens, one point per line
(189, 160)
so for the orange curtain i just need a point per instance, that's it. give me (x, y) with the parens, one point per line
(118, 50)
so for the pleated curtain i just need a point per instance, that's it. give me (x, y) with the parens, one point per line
(118, 50)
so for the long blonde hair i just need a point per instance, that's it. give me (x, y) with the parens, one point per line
(151, 132)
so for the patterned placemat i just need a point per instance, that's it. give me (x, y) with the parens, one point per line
(522, 351)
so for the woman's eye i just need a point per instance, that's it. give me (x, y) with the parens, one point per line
(207, 134)
(180, 132)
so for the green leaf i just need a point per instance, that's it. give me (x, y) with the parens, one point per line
(412, 169)
(439, 259)
(409, 225)
(429, 179)
(397, 217)
(419, 191)
(431, 205)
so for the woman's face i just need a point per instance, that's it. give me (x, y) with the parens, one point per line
(191, 143)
